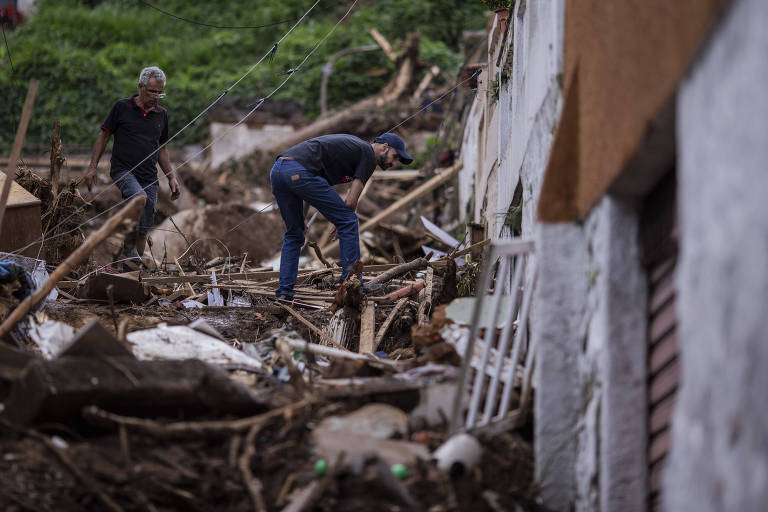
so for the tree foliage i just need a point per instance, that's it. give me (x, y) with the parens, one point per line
(88, 53)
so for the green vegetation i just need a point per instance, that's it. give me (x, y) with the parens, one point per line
(88, 53)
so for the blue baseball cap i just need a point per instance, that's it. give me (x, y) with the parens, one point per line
(396, 142)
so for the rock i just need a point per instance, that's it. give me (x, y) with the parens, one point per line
(260, 235)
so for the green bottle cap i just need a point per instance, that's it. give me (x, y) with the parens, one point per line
(400, 471)
(321, 467)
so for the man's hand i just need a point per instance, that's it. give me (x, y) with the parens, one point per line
(90, 176)
(174, 186)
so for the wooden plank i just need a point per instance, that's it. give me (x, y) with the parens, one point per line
(367, 328)
(442, 176)
(18, 143)
(397, 175)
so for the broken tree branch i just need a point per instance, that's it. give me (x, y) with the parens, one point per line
(392, 314)
(244, 464)
(411, 266)
(86, 480)
(319, 254)
(190, 428)
(384, 44)
(129, 211)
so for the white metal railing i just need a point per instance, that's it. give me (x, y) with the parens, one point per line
(488, 356)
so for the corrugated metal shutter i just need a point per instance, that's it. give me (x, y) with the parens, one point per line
(660, 245)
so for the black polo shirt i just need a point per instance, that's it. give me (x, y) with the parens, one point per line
(138, 133)
(337, 158)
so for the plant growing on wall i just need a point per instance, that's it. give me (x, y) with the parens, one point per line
(496, 4)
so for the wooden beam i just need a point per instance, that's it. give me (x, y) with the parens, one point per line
(18, 143)
(367, 328)
(441, 177)
(384, 44)
(129, 211)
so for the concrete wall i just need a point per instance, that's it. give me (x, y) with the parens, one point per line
(719, 457)
(589, 328)
(509, 139)
(243, 139)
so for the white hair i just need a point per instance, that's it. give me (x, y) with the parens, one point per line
(151, 72)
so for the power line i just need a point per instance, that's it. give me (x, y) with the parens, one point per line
(270, 53)
(223, 134)
(8, 50)
(13, 73)
(210, 25)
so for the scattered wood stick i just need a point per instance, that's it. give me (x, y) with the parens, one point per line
(411, 266)
(392, 314)
(129, 211)
(86, 480)
(181, 273)
(441, 177)
(402, 292)
(189, 428)
(319, 253)
(314, 329)
(426, 304)
(472, 248)
(186, 240)
(385, 46)
(244, 464)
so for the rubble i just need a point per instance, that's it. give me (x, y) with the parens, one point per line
(188, 385)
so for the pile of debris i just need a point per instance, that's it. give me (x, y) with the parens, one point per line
(190, 386)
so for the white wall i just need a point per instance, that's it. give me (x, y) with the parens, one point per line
(243, 140)
(719, 446)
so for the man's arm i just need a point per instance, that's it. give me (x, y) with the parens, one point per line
(353, 194)
(98, 150)
(165, 164)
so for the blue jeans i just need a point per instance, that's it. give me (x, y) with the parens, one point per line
(131, 186)
(291, 186)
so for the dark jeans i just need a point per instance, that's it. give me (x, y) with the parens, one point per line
(130, 186)
(291, 186)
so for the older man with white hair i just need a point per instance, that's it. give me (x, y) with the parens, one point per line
(140, 127)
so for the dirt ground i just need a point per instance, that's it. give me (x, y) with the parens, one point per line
(144, 473)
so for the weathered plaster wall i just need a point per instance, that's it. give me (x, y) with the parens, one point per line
(557, 331)
(529, 104)
(719, 448)
(509, 138)
(242, 140)
(610, 467)
(469, 156)
(589, 326)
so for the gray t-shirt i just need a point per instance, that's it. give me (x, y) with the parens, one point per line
(338, 158)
